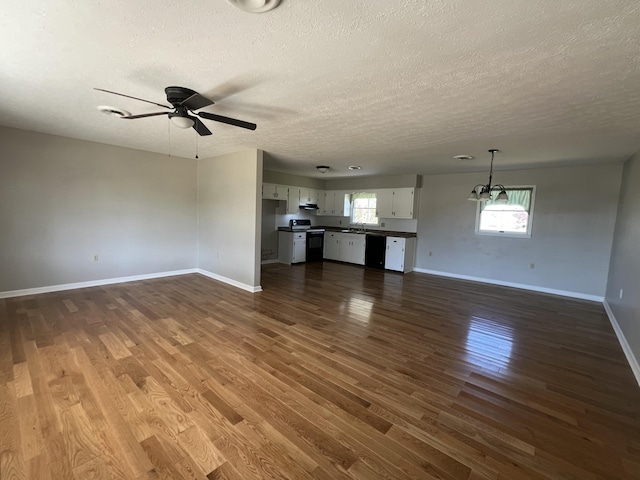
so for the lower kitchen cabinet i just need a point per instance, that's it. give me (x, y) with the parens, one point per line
(292, 247)
(400, 254)
(344, 247)
(332, 245)
(352, 248)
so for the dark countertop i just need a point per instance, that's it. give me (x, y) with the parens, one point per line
(381, 233)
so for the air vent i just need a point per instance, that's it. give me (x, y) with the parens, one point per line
(114, 112)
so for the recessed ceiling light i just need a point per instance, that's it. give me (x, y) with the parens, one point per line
(255, 6)
(114, 112)
(463, 157)
(355, 167)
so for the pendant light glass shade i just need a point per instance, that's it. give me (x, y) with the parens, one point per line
(502, 197)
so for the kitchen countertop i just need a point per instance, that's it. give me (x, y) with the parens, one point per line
(381, 233)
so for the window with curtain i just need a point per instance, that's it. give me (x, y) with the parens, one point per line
(511, 219)
(364, 208)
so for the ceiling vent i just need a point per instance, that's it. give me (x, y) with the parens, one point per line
(113, 111)
(255, 6)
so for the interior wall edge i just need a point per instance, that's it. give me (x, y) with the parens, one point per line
(626, 348)
(230, 281)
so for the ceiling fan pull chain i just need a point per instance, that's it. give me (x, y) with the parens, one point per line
(169, 133)
(197, 135)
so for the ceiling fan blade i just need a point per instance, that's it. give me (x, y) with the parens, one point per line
(134, 98)
(227, 120)
(155, 114)
(196, 101)
(200, 127)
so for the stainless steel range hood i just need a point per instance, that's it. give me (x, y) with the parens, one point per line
(309, 206)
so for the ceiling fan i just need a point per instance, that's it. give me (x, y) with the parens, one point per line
(185, 101)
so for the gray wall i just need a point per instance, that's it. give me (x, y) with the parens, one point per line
(574, 218)
(356, 183)
(624, 272)
(229, 216)
(269, 240)
(62, 201)
(281, 178)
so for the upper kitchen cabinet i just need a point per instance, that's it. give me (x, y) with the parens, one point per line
(334, 203)
(293, 200)
(308, 195)
(275, 192)
(395, 202)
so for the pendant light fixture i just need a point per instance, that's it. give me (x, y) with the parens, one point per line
(481, 192)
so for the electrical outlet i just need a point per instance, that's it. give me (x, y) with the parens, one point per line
(95, 257)
(339, 222)
(532, 266)
(382, 224)
(621, 293)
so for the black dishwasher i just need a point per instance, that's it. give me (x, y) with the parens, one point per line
(375, 251)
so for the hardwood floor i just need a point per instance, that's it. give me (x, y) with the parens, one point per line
(332, 372)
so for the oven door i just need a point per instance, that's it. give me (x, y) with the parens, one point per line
(315, 244)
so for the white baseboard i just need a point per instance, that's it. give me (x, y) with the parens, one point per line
(563, 293)
(631, 358)
(230, 281)
(273, 260)
(93, 283)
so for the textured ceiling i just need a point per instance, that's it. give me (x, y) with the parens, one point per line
(396, 86)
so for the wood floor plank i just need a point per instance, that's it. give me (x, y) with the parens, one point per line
(331, 372)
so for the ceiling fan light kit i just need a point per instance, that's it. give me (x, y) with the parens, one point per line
(182, 121)
(184, 101)
(255, 6)
(481, 193)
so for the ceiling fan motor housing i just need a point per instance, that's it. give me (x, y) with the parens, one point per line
(177, 95)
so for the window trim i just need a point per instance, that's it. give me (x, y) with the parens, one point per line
(353, 209)
(511, 234)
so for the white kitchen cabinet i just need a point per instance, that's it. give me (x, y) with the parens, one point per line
(293, 200)
(334, 204)
(292, 247)
(395, 202)
(400, 254)
(352, 248)
(332, 245)
(274, 192)
(403, 202)
(308, 195)
(344, 247)
(384, 203)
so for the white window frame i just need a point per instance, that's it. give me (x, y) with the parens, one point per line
(353, 210)
(510, 234)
